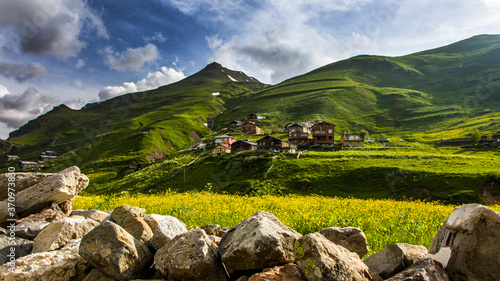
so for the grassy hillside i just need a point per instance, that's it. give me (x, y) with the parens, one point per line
(136, 128)
(422, 92)
(135, 142)
(447, 175)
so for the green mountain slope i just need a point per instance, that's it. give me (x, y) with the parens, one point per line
(136, 128)
(423, 92)
(426, 96)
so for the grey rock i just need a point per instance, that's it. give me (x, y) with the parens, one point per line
(111, 249)
(167, 229)
(190, 256)
(22, 247)
(423, 270)
(259, 242)
(395, 258)
(320, 259)
(351, 238)
(123, 214)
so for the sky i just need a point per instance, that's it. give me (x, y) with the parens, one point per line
(80, 51)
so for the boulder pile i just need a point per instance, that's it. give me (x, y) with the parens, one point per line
(53, 242)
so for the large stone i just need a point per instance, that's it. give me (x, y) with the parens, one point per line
(50, 213)
(111, 249)
(321, 259)
(23, 181)
(167, 229)
(97, 275)
(98, 216)
(60, 187)
(153, 220)
(21, 247)
(60, 265)
(288, 272)
(395, 258)
(471, 237)
(423, 270)
(123, 214)
(351, 238)
(30, 229)
(57, 234)
(259, 242)
(138, 228)
(190, 257)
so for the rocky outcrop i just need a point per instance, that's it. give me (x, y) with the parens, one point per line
(61, 265)
(471, 239)
(98, 216)
(57, 234)
(351, 238)
(320, 259)
(190, 256)
(167, 229)
(259, 242)
(395, 258)
(123, 214)
(115, 252)
(22, 247)
(138, 228)
(423, 270)
(23, 181)
(60, 188)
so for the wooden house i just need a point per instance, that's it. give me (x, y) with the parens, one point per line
(297, 128)
(12, 157)
(220, 150)
(236, 125)
(224, 140)
(298, 138)
(272, 144)
(44, 158)
(242, 145)
(352, 140)
(250, 128)
(323, 134)
(28, 164)
(255, 117)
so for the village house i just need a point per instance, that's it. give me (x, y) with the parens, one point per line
(352, 140)
(243, 145)
(28, 164)
(220, 150)
(12, 157)
(298, 138)
(272, 144)
(45, 157)
(236, 125)
(250, 128)
(224, 140)
(50, 153)
(297, 128)
(323, 134)
(255, 117)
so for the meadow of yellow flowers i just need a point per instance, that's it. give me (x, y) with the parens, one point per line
(383, 221)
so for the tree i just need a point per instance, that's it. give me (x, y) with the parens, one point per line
(364, 132)
(490, 136)
(476, 136)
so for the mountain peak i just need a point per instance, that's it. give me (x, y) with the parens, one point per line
(216, 71)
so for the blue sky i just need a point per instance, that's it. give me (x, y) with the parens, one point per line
(80, 51)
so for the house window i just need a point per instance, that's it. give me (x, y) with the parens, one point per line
(329, 137)
(330, 131)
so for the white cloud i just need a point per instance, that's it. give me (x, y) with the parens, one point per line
(152, 81)
(158, 36)
(79, 64)
(21, 72)
(77, 84)
(48, 26)
(3, 91)
(16, 110)
(132, 58)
